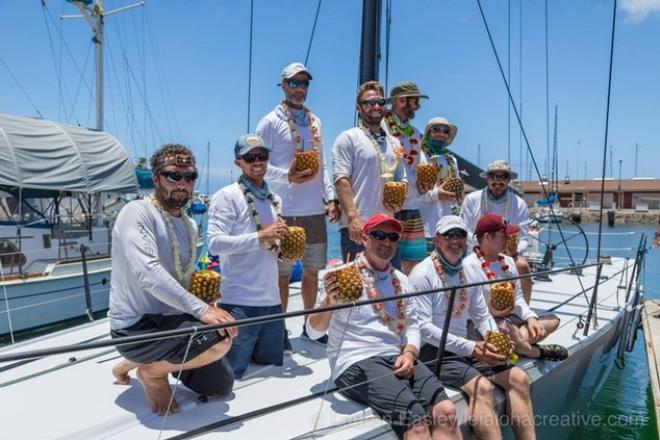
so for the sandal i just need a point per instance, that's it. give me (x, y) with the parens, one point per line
(552, 352)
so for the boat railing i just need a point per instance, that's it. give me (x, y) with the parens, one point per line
(32, 354)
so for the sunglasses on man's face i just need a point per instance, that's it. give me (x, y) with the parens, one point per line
(381, 235)
(295, 83)
(499, 176)
(455, 233)
(253, 157)
(440, 129)
(175, 176)
(373, 102)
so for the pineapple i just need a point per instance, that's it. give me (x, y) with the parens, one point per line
(307, 160)
(205, 285)
(348, 281)
(292, 246)
(502, 295)
(394, 193)
(512, 244)
(454, 185)
(501, 341)
(427, 174)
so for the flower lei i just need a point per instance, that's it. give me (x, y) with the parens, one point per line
(182, 273)
(486, 203)
(407, 131)
(463, 298)
(485, 265)
(397, 324)
(386, 171)
(313, 128)
(249, 198)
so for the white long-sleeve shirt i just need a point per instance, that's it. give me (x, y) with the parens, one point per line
(430, 207)
(357, 333)
(432, 309)
(511, 208)
(298, 199)
(249, 272)
(475, 272)
(354, 157)
(143, 267)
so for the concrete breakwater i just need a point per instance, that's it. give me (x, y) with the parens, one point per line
(621, 216)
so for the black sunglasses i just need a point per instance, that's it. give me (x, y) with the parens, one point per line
(441, 129)
(380, 235)
(499, 176)
(372, 102)
(253, 157)
(175, 176)
(455, 233)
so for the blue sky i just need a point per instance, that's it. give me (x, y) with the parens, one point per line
(188, 61)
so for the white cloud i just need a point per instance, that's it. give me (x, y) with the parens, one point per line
(638, 10)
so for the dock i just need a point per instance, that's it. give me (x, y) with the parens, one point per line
(651, 323)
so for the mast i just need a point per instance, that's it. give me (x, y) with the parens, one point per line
(370, 42)
(94, 15)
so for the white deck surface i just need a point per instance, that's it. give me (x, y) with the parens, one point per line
(67, 398)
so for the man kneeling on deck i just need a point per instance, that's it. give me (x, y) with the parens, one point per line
(505, 301)
(467, 365)
(373, 349)
(153, 255)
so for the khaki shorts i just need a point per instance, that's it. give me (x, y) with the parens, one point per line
(316, 251)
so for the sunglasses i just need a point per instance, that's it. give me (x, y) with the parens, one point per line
(373, 102)
(253, 157)
(440, 129)
(455, 233)
(380, 235)
(175, 176)
(499, 176)
(294, 83)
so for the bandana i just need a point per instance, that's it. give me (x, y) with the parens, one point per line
(447, 267)
(260, 193)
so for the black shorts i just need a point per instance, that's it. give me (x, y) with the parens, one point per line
(215, 378)
(457, 370)
(400, 402)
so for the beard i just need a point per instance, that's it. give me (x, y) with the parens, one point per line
(172, 200)
(291, 98)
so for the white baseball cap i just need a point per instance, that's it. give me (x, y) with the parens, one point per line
(293, 69)
(449, 222)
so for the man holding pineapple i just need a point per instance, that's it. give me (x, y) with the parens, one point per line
(468, 365)
(297, 173)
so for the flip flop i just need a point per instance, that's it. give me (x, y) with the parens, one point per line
(552, 352)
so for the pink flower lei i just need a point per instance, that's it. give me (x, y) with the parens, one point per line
(397, 324)
(463, 297)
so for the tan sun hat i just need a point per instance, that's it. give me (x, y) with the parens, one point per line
(406, 89)
(501, 166)
(440, 121)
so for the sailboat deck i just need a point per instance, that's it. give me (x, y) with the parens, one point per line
(73, 396)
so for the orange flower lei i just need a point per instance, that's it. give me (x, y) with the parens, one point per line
(313, 128)
(397, 324)
(485, 265)
(463, 297)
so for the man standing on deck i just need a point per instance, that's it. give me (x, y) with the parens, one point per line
(471, 366)
(153, 256)
(498, 198)
(373, 349)
(363, 159)
(288, 129)
(244, 230)
(405, 101)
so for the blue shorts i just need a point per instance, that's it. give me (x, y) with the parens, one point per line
(260, 343)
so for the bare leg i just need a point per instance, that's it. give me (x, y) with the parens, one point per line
(418, 431)
(154, 380)
(121, 370)
(524, 342)
(408, 266)
(445, 422)
(310, 287)
(482, 415)
(525, 283)
(519, 403)
(283, 282)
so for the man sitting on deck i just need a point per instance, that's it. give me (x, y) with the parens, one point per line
(244, 230)
(153, 254)
(373, 349)
(488, 263)
(467, 365)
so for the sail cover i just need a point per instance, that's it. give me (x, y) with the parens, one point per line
(42, 157)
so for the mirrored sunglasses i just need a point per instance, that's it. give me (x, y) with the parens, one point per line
(381, 235)
(294, 83)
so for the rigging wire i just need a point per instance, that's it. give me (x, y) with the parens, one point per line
(524, 133)
(249, 98)
(20, 87)
(508, 79)
(388, 32)
(58, 71)
(547, 98)
(311, 37)
(75, 96)
(607, 126)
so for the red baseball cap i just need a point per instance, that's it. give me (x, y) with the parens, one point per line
(381, 219)
(492, 223)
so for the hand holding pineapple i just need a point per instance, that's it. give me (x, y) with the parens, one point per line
(487, 352)
(427, 177)
(394, 195)
(299, 176)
